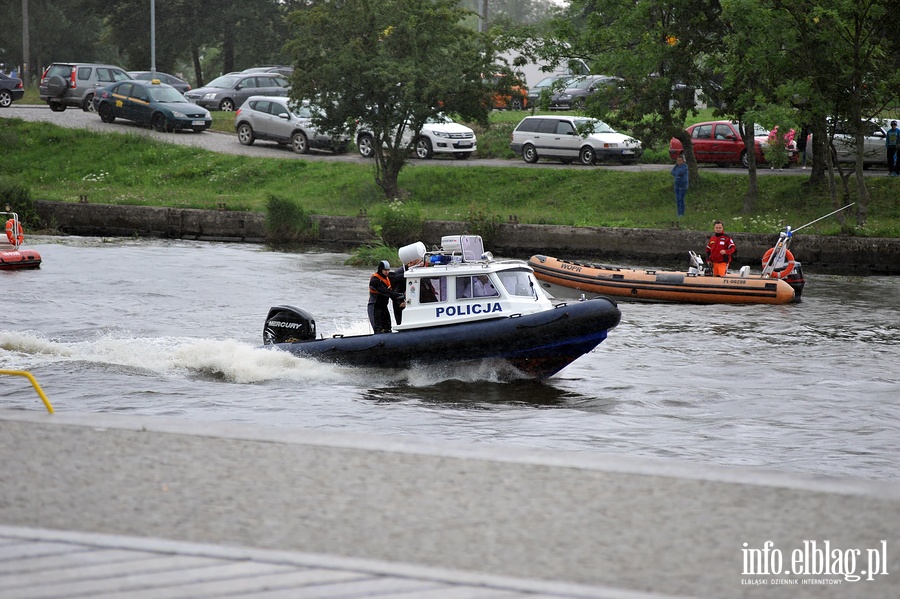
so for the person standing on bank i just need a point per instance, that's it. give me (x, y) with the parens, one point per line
(680, 174)
(720, 249)
(380, 293)
(892, 145)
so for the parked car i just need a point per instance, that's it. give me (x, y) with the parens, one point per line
(11, 89)
(509, 92)
(574, 97)
(874, 150)
(439, 135)
(152, 103)
(66, 84)
(180, 84)
(720, 142)
(229, 92)
(283, 121)
(567, 138)
(552, 84)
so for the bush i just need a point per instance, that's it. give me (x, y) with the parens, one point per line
(398, 223)
(18, 199)
(287, 221)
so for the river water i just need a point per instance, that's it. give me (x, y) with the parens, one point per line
(173, 328)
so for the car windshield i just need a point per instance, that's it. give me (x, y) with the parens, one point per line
(225, 81)
(438, 119)
(547, 81)
(585, 83)
(593, 126)
(165, 94)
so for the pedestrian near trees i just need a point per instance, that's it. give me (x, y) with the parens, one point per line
(680, 175)
(892, 145)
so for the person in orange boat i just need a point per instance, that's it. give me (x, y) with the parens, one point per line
(720, 249)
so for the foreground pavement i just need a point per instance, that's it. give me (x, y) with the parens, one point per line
(129, 506)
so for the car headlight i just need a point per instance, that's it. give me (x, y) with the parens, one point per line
(439, 133)
(210, 96)
(565, 97)
(179, 115)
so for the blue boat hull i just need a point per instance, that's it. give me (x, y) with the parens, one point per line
(539, 345)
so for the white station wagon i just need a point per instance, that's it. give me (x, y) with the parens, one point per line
(570, 138)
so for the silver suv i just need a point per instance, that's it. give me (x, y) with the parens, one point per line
(567, 138)
(67, 84)
(283, 121)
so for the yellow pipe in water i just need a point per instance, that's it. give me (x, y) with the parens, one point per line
(34, 384)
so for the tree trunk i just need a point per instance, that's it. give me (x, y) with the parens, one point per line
(198, 68)
(752, 182)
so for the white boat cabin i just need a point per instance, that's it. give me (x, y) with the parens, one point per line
(463, 283)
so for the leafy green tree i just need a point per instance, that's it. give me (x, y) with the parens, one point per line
(388, 65)
(656, 50)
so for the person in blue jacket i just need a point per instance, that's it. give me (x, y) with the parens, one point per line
(892, 145)
(680, 174)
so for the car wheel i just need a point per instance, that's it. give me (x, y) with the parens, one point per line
(463, 155)
(158, 122)
(587, 156)
(366, 145)
(423, 148)
(226, 105)
(106, 113)
(515, 104)
(245, 134)
(529, 154)
(5, 98)
(87, 104)
(57, 86)
(57, 107)
(299, 143)
(744, 160)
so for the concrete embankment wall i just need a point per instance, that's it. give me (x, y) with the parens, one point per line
(644, 247)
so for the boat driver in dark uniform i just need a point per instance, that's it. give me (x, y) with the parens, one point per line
(380, 293)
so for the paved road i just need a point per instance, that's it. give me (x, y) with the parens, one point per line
(228, 144)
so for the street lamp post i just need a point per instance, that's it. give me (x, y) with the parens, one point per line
(152, 39)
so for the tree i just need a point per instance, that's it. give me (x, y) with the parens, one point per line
(656, 50)
(388, 64)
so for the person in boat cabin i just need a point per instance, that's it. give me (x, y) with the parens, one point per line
(380, 293)
(719, 249)
(483, 287)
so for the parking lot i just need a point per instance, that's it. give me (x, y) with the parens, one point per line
(228, 144)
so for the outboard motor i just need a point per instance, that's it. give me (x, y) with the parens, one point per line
(286, 324)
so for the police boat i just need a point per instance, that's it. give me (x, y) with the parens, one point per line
(462, 306)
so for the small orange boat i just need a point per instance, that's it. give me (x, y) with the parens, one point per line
(561, 278)
(12, 257)
(781, 280)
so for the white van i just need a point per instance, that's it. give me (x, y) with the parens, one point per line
(567, 138)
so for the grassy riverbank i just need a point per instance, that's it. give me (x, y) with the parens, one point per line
(63, 164)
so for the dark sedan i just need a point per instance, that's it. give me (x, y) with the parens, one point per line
(150, 103)
(180, 84)
(11, 89)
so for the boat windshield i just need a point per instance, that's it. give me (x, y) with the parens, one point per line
(517, 282)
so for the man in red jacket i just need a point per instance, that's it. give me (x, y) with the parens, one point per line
(720, 249)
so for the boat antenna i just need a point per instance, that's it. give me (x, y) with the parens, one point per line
(826, 216)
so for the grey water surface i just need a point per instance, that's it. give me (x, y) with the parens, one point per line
(174, 328)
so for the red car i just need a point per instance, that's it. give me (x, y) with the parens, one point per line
(720, 142)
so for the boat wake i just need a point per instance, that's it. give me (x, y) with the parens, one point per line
(227, 360)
